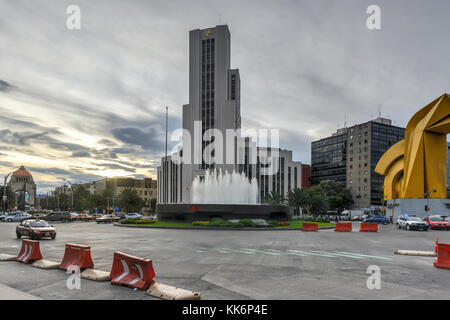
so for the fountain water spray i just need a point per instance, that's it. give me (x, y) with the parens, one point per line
(228, 188)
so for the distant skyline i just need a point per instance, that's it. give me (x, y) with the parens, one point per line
(90, 103)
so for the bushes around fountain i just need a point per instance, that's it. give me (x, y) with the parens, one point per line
(243, 223)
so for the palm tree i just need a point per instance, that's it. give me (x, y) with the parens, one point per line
(275, 198)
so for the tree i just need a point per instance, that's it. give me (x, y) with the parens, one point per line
(298, 198)
(130, 201)
(81, 198)
(275, 198)
(153, 204)
(339, 197)
(11, 198)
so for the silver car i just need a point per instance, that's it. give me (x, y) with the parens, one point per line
(409, 222)
(17, 217)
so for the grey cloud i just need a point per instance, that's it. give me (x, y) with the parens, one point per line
(148, 140)
(81, 154)
(304, 65)
(4, 86)
(107, 142)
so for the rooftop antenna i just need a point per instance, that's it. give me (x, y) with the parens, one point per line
(345, 120)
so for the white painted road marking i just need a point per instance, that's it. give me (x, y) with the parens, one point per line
(366, 256)
(299, 253)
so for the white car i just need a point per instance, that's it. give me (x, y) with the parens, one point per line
(411, 222)
(133, 215)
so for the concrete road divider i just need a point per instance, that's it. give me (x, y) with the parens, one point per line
(343, 227)
(45, 264)
(166, 292)
(96, 275)
(29, 252)
(310, 226)
(7, 257)
(443, 256)
(368, 227)
(132, 271)
(77, 255)
(416, 253)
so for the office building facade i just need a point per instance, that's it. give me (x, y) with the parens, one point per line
(351, 155)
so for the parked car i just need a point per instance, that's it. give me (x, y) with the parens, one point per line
(35, 229)
(84, 217)
(73, 216)
(377, 219)
(437, 222)
(133, 215)
(119, 214)
(17, 217)
(107, 218)
(62, 216)
(411, 222)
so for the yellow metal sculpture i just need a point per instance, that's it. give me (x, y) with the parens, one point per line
(416, 166)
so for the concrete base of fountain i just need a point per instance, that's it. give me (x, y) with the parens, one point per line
(204, 212)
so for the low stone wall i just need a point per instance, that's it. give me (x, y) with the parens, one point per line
(193, 212)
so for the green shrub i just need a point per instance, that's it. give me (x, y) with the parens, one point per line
(273, 224)
(220, 223)
(200, 223)
(247, 223)
(130, 221)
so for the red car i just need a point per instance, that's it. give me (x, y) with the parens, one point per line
(437, 222)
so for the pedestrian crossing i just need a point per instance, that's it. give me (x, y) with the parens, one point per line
(292, 252)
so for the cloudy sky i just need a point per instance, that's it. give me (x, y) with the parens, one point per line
(85, 104)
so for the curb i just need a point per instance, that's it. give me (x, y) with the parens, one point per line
(216, 228)
(416, 253)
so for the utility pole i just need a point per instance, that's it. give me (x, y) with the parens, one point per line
(71, 188)
(166, 178)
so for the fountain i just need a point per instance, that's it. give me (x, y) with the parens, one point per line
(229, 196)
(228, 188)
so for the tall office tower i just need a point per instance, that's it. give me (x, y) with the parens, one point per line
(350, 156)
(214, 100)
(214, 104)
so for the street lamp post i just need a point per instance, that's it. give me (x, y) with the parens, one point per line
(71, 188)
(5, 198)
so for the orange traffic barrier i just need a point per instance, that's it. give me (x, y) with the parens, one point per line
(30, 251)
(77, 255)
(132, 271)
(436, 242)
(343, 227)
(443, 256)
(310, 226)
(368, 227)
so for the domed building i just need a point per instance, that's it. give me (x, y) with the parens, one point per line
(21, 184)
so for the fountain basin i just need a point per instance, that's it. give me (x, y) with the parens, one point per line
(204, 212)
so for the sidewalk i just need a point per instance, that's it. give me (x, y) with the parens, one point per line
(8, 293)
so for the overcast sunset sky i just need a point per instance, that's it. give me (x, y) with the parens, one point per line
(85, 104)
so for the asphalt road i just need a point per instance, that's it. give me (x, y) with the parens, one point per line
(231, 264)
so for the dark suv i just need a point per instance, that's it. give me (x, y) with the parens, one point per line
(62, 216)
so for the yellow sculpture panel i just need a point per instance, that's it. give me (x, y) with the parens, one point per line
(417, 165)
